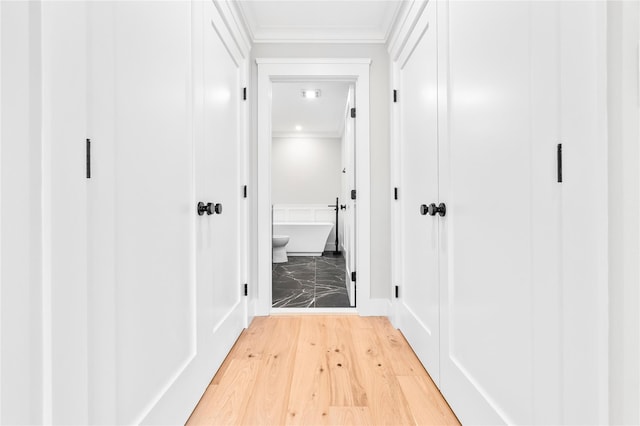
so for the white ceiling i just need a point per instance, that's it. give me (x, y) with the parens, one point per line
(321, 117)
(319, 21)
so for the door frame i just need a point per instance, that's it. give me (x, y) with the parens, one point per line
(353, 70)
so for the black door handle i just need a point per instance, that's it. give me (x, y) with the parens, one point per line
(440, 209)
(343, 206)
(209, 208)
(204, 208)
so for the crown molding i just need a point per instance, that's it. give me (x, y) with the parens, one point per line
(403, 26)
(321, 35)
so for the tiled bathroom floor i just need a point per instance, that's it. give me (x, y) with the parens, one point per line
(310, 282)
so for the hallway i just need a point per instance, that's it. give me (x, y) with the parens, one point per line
(313, 370)
(480, 175)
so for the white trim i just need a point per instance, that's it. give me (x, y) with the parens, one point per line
(348, 69)
(234, 22)
(313, 311)
(314, 135)
(339, 40)
(322, 61)
(404, 27)
(230, 25)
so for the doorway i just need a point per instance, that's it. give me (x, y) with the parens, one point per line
(302, 74)
(312, 175)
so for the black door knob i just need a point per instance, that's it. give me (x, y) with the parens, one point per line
(424, 209)
(202, 208)
(440, 209)
(205, 208)
(343, 207)
(217, 208)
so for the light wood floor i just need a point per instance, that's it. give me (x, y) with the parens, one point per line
(322, 370)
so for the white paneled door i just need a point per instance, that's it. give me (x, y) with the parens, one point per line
(500, 349)
(418, 309)
(165, 124)
(499, 117)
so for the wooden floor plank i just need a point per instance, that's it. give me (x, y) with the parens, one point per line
(270, 394)
(425, 402)
(395, 348)
(310, 386)
(322, 370)
(250, 344)
(346, 389)
(387, 404)
(224, 404)
(349, 416)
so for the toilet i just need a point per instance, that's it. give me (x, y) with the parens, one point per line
(280, 248)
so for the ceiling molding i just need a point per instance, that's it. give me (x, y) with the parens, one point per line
(352, 29)
(235, 25)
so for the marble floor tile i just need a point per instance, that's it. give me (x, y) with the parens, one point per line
(310, 281)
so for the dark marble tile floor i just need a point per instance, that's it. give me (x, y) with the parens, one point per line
(310, 282)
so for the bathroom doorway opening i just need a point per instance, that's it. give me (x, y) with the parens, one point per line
(312, 178)
(343, 271)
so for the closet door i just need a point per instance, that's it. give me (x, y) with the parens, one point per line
(418, 311)
(165, 289)
(500, 276)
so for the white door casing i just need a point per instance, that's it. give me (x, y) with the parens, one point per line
(332, 69)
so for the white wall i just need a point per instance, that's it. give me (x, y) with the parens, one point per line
(379, 130)
(624, 189)
(305, 170)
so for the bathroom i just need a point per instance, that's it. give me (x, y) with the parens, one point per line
(312, 170)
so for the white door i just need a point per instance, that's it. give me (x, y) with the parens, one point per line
(165, 129)
(418, 308)
(349, 183)
(500, 276)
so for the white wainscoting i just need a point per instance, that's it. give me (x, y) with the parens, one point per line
(308, 213)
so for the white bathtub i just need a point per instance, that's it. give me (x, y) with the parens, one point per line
(305, 238)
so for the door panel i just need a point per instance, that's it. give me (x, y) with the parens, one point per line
(217, 180)
(349, 216)
(418, 314)
(174, 138)
(154, 255)
(498, 160)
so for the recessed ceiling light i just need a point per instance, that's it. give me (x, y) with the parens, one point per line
(298, 128)
(311, 93)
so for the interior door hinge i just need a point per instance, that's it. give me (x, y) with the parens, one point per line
(353, 194)
(353, 276)
(353, 113)
(397, 291)
(88, 148)
(244, 191)
(395, 96)
(244, 93)
(395, 193)
(559, 160)
(246, 289)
